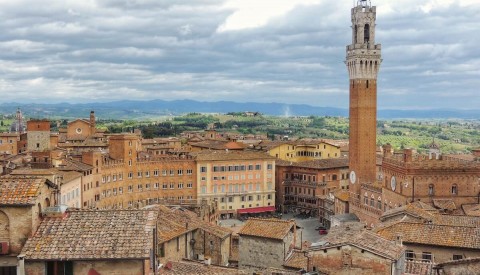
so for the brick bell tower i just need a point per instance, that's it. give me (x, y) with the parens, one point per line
(363, 62)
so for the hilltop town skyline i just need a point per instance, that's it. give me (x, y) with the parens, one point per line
(205, 50)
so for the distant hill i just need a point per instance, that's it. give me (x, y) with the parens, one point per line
(129, 109)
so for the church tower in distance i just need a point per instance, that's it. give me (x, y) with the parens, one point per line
(363, 62)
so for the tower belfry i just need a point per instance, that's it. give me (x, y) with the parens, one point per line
(363, 63)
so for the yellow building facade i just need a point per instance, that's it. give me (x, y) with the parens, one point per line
(297, 151)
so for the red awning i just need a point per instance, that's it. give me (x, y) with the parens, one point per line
(256, 210)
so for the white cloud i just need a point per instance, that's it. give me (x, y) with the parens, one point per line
(253, 13)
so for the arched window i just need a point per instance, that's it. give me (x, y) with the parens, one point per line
(366, 33)
(430, 190)
(356, 34)
(454, 189)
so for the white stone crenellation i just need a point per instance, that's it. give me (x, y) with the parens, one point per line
(363, 55)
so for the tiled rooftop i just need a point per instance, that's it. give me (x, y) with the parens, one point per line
(317, 164)
(20, 190)
(296, 259)
(444, 204)
(421, 215)
(173, 222)
(358, 236)
(74, 165)
(195, 268)
(93, 234)
(267, 228)
(432, 234)
(207, 155)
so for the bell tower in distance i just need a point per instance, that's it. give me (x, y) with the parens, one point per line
(363, 63)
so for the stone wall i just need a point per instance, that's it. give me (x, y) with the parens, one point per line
(114, 267)
(257, 253)
(441, 254)
(348, 260)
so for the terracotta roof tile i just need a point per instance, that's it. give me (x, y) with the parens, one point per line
(267, 228)
(444, 204)
(433, 234)
(296, 259)
(195, 268)
(230, 155)
(93, 234)
(317, 164)
(20, 190)
(355, 234)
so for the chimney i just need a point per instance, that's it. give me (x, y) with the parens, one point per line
(407, 155)
(387, 150)
(398, 240)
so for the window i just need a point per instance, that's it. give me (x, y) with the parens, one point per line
(164, 186)
(258, 167)
(204, 189)
(139, 187)
(164, 172)
(365, 200)
(155, 173)
(250, 167)
(409, 255)
(172, 172)
(190, 185)
(189, 171)
(120, 176)
(430, 190)
(156, 185)
(120, 190)
(130, 163)
(203, 169)
(147, 174)
(269, 196)
(63, 267)
(180, 186)
(427, 256)
(130, 188)
(172, 185)
(250, 198)
(179, 172)
(454, 189)
(242, 198)
(457, 257)
(147, 186)
(139, 174)
(130, 175)
(230, 199)
(269, 166)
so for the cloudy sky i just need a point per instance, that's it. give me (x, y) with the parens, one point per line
(288, 51)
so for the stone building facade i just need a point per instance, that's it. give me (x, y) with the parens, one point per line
(265, 243)
(38, 135)
(352, 249)
(22, 200)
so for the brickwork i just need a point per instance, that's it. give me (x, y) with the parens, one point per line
(363, 124)
(463, 267)
(424, 178)
(349, 260)
(363, 63)
(9, 143)
(124, 267)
